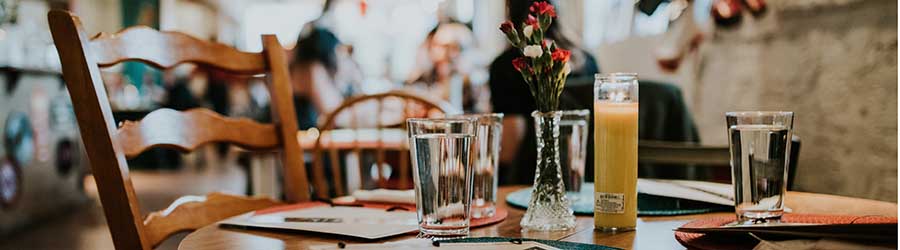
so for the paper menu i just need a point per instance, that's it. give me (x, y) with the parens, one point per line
(367, 223)
(716, 193)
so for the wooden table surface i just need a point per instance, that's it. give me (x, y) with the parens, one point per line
(652, 232)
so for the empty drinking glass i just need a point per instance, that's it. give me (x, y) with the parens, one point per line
(486, 156)
(573, 140)
(441, 156)
(759, 142)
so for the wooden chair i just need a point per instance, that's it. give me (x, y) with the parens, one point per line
(386, 134)
(659, 152)
(107, 146)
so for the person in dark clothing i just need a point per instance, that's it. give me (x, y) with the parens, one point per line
(510, 95)
(321, 71)
(313, 68)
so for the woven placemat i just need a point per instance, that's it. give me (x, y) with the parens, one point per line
(648, 205)
(552, 243)
(703, 242)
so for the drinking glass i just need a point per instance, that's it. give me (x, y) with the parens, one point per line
(573, 140)
(759, 142)
(486, 153)
(442, 175)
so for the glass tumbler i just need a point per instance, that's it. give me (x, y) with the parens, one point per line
(759, 142)
(573, 140)
(486, 157)
(442, 175)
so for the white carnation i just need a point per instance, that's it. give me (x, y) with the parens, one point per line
(533, 51)
(528, 30)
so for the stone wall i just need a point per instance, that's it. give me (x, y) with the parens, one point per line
(832, 62)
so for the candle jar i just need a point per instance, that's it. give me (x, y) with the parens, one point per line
(615, 151)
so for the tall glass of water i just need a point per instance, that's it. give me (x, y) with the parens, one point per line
(573, 140)
(442, 175)
(486, 157)
(760, 142)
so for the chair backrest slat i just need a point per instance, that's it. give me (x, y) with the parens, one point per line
(174, 129)
(147, 45)
(692, 154)
(107, 147)
(660, 152)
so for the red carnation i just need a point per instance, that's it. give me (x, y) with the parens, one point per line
(531, 20)
(561, 55)
(520, 63)
(543, 8)
(506, 27)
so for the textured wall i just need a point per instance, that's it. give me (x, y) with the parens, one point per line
(832, 62)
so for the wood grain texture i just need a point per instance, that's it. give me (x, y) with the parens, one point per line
(185, 131)
(652, 232)
(190, 213)
(96, 124)
(413, 106)
(169, 48)
(296, 184)
(107, 147)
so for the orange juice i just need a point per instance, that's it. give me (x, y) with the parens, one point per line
(615, 165)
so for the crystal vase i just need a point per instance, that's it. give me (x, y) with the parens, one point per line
(548, 209)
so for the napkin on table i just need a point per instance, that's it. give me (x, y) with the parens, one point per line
(386, 196)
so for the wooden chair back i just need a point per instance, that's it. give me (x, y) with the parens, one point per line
(389, 111)
(659, 152)
(108, 147)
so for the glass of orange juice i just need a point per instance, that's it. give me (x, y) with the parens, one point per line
(615, 151)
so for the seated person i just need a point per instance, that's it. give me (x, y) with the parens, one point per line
(444, 69)
(510, 95)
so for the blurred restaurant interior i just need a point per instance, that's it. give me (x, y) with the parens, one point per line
(356, 69)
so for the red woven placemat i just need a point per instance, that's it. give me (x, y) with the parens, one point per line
(702, 242)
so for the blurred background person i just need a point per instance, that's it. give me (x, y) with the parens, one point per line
(445, 68)
(322, 72)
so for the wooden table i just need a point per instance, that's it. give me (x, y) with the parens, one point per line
(651, 233)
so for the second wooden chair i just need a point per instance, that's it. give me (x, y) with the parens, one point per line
(372, 123)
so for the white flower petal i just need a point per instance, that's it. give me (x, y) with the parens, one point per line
(528, 31)
(533, 51)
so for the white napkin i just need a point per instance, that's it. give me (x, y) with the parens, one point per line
(386, 196)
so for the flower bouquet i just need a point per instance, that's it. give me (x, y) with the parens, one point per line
(545, 67)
